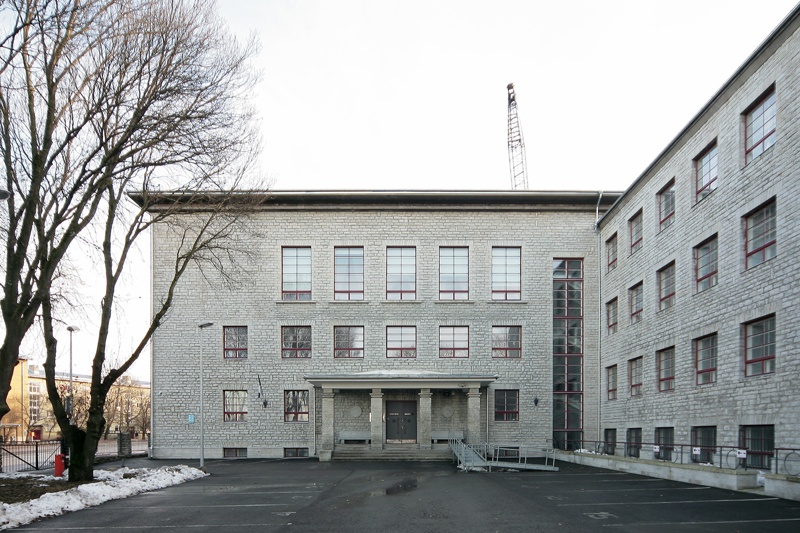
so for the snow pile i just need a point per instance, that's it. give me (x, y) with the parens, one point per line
(112, 485)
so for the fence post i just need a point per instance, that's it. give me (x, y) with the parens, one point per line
(36, 454)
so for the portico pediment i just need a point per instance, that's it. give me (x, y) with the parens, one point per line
(401, 379)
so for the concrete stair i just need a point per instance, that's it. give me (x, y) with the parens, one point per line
(390, 452)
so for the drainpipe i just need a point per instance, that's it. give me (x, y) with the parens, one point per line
(599, 313)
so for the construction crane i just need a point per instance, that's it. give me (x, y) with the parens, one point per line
(516, 145)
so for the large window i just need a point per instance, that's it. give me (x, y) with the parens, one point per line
(401, 342)
(705, 264)
(665, 440)
(611, 382)
(633, 442)
(611, 253)
(453, 273)
(295, 406)
(295, 342)
(611, 316)
(453, 341)
(635, 231)
(760, 444)
(234, 405)
(665, 363)
(666, 206)
(401, 273)
(666, 286)
(704, 444)
(234, 340)
(636, 302)
(760, 347)
(506, 405)
(507, 341)
(705, 355)
(348, 342)
(506, 273)
(760, 126)
(635, 367)
(348, 283)
(705, 168)
(761, 235)
(296, 273)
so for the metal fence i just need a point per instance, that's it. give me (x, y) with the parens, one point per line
(40, 455)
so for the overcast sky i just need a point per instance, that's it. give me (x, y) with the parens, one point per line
(380, 94)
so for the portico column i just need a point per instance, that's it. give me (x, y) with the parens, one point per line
(424, 419)
(376, 425)
(473, 415)
(326, 440)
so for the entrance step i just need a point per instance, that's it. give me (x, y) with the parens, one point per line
(390, 452)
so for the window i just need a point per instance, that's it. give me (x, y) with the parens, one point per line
(401, 342)
(705, 354)
(234, 339)
(506, 273)
(636, 299)
(633, 442)
(759, 441)
(234, 405)
(666, 286)
(506, 405)
(453, 273)
(296, 273)
(453, 341)
(295, 452)
(760, 126)
(705, 264)
(567, 306)
(635, 376)
(704, 441)
(401, 273)
(760, 347)
(507, 342)
(295, 406)
(348, 267)
(761, 235)
(611, 252)
(666, 206)
(234, 453)
(609, 441)
(611, 316)
(611, 382)
(34, 401)
(705, 168)
(635, 228)
(665, 440)
(295, 342)
(348, 342)
(665, 363)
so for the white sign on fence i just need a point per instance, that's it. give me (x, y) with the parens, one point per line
(741, 454)
(656, 448)
(695, 451)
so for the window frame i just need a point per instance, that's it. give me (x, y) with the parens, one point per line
(350, 351)
(664, 438)
(400, 273)
(612, 316)
(760, 447)
(766, 362)
(459, 278)
(235, 335)
(635, 376)
(636, 232)
(301, 352)
(765, 105)
(706, 376)
(666, 286)
(705, 438)
(298, 294)
(633, 442)
(636, 296)
(459, 348)
(505, 349)
(705, 281)
(510, 412)
(611, 253)
(666, 373)
(707, 159)
(238, 398)
(502, 287)
(611, 382)
(666, 199)
(399, 352)
(348, 281)
(300, 416)
(768, 250)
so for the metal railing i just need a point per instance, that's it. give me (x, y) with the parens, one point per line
(787, 461)
(27, 456)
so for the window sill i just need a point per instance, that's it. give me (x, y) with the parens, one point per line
(389, 302)
(454, 301)
(348, 301)
(523, 302)
(295, 302)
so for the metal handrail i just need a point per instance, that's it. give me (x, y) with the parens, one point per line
(731, 457)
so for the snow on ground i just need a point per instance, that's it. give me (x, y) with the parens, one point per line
(113, 485)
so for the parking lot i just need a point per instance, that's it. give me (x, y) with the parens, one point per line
(308, 496)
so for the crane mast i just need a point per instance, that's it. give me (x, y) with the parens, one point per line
(516, 145)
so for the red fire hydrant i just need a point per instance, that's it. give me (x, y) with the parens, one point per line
(60, 465)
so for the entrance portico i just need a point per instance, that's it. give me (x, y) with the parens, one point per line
(405, 407)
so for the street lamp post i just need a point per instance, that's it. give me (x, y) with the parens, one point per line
(202, 326)
(71, 329)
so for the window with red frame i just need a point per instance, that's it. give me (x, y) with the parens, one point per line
(611, 382)
(506, 405)
(761, 234)
(295, 342)
(759, 441)
(635, 368)
(507, 342)
(635, 230)
(234, 340)
(348, 272)
(401, 342)
(348, 342)
(611, 252)
(760, 126)
(636, 300)
(705, 169)
(665, 363)
(666, 206)
(760, 347)
(234, 407)
(666, 286)
(506, 273)
(296, 273)
(295, 406)
(453, 341)
(705, 356)
(705, 264)
(401, 273)
(453, 273)
(611, 316)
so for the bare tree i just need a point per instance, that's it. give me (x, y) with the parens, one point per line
(97, 98)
